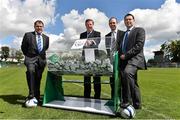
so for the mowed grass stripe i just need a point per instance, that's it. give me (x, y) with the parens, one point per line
(159, 87)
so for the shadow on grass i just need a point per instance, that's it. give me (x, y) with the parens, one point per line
(13, 99)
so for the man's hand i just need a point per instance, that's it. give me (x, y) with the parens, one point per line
(89, 42)
(122, 57)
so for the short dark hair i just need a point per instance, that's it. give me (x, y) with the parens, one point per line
(87, 20)
(128, 15)
(113, 18)
(38, 21)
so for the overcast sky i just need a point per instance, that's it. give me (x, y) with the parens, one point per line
(64, 19)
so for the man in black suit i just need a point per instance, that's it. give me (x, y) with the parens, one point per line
(111, 45)
(34, 46)
(131, 59)
(93, 40)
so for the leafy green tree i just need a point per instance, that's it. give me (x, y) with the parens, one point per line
(172, 49)
(1, 56)
(5, 52)
(12, 54)
(151, 61)
(19, 55)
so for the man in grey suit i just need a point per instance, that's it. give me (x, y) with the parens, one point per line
(34, 46)
(131, 59)
(93, 40)
(111, 45)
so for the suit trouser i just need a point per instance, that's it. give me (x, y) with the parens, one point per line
(130, 87)
(87, 87)
(33, 76)
(112, 86)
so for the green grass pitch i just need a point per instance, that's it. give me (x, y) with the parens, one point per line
(160, 89)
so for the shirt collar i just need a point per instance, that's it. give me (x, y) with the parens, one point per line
(115, 31)
(90, 32)
(130, 28)
(37, 33)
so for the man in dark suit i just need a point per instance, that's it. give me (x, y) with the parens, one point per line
(34, 46)
(111, 45)
(93, 40)
(131, 59)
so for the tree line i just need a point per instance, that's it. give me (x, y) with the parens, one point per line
(6, 53)
(171, 49)
(171, 52)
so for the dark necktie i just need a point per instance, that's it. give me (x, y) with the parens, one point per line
(88, 34)
(39, 43)
(125, 41)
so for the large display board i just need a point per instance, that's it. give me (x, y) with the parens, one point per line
(73, 57)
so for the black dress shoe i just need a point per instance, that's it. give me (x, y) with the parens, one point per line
(137, 106)
(124, 105)
(40, 102)
(96, 97)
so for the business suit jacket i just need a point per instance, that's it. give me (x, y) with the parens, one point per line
(87, 78)
(30, 50)
(108, 41)
(119, 36)
(34, 61)
(95, 35)
(134, 54)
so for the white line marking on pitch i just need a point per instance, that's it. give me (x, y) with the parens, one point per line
(145, 109)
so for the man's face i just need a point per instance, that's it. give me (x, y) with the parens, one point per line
(39, 27)
(89, 26)
(113, 24)
(129, 21)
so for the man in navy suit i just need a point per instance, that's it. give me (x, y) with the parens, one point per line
(34, 46)
(111, 45)
(93, 40)
(132, 58)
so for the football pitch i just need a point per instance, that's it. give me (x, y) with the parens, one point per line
(160, 89)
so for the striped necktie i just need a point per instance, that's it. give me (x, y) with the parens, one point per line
(39, 43)
(113, 42)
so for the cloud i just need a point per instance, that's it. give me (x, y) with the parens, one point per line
(53, 39)
(149, 51)
(16, 42)
(74, 24)
(160, 24)
(18, 16)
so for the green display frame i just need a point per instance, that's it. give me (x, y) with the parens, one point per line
(54, 88)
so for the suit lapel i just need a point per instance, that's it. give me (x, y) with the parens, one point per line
(131, 32)
(91, 34)
(117, 38)
(130, 37)
(34, 41)
(117, 35)
(108, 40)
(44, 41)
(120, 37)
